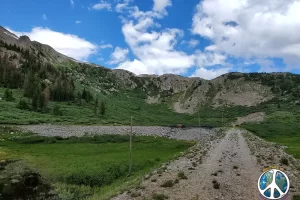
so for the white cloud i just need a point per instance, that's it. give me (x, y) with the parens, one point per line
(206, 59)
(160, 5)
(210, 73)
(118, 56)
(193, 43)
(45, 17)
(102, 5)
(78, 22)
(251, 28)
(67, 44)
(72, 3)
(155, 51)
(105, 46)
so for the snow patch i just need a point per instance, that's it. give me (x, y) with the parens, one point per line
(11, 35)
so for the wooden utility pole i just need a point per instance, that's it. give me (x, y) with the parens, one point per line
(199, 121)
(222, 118)
(130, 149)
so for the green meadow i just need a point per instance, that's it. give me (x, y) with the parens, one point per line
(89, 167)
(281, 127)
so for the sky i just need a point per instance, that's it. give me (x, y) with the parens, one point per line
(191, 38)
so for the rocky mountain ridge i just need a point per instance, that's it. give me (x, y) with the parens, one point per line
(182, 94)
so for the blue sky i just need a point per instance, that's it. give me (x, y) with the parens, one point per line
(188, 37)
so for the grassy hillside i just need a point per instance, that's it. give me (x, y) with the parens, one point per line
(281, 127)
(93, 167)
(119, 108)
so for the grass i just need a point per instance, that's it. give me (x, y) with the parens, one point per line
(119, 108)
(94, 167)
(296, 197)
(281, 127)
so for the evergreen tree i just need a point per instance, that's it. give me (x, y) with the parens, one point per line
(23, 105)
(96, 105)
(102, 108)
(8, 95)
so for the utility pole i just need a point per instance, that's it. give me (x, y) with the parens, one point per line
(222, 118)
(130, 148)
(199, 121)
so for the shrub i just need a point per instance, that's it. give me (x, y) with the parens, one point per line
(57, 110)
(23, 105)
(159, 197)
(216, 185)
(181, 175)
(8, 95)
(296, 197)
(168, 183)
(284, 161)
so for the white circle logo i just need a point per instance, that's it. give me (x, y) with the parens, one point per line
(273, 184)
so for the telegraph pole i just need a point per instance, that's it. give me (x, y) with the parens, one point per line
(222, 118)
(130, 148)
(199, 121)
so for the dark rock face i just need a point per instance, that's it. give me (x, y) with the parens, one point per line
(24, 38)
(18, 181)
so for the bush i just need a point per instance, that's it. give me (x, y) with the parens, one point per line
(159, 197)
(216, 185)
(284, 161)
(296, 197)
(99, 178)
(168, 183)
(181, 175)
(8, 95)
(19, 181)
(57, 110)
(23, 105)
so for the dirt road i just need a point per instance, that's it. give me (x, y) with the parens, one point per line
(219, 169)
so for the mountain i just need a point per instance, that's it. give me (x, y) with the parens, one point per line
(181, 94)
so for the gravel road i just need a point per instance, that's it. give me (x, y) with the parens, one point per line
(67, 131)
(223, 168)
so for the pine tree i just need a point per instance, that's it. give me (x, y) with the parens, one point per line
(102, 108)
(8, 95)
(96, 105)
(83, 95)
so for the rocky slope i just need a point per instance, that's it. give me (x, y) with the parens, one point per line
(182, 94)
(42, 52)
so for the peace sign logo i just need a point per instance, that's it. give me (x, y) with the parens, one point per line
(273, 184)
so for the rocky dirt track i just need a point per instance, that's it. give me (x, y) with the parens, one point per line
(218, 168)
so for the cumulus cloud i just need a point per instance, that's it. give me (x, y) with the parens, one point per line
(155, 51)
(160, 5)
(250, 28)
(105, 46)
(67, 44)
(210, 73)
(121, 6)
(118, 56)
(102, 5)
